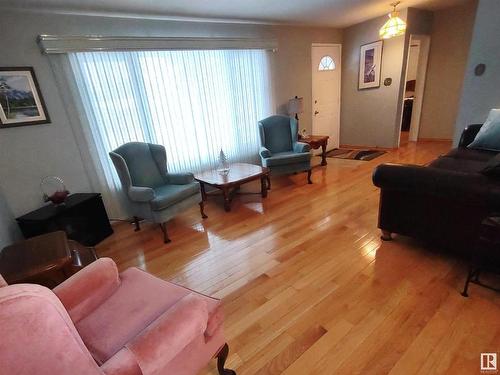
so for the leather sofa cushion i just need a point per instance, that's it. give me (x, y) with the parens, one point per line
(465, 153)
(458, 165)
(492, 168)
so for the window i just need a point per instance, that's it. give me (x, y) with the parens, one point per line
(192, 102)
(326, 63)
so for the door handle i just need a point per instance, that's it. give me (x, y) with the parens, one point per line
(315, 113)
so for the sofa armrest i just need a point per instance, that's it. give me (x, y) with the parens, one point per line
(83, 292)
(264, 152)
(473, 188)
(169, 334)
(180, 178)
(468, 135)
(299, 147)
(141, 194)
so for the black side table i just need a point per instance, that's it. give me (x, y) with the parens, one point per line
(83, 218)
(486, 256)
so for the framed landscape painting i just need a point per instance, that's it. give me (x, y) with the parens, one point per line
(370, 61)
(21, 102)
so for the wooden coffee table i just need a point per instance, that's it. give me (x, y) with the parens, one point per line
(239, 174)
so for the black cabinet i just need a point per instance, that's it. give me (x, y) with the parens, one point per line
(83, 218)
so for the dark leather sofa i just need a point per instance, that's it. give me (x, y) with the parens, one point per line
(442, 203)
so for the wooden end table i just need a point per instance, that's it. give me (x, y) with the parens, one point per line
(239, 174)
(47, 259)
(317, 141)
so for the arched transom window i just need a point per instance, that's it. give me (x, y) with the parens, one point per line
(326, 63)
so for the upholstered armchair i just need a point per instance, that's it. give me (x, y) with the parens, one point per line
(280, 150)
(100, 322)
(153, 193)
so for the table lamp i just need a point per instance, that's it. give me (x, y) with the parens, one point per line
(296, 106)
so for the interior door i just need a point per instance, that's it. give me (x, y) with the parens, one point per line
(326, 69)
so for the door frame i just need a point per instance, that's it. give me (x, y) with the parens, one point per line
(423, 65)
(339, 85)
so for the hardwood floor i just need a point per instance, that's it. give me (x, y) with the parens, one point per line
(309, 287)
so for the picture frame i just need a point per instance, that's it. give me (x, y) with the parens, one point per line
(21, 101)
(370, 64)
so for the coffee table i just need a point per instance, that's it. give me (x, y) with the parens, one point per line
(239, 174)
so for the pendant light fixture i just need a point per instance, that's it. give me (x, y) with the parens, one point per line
(394, 26)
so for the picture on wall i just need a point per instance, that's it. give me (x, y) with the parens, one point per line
(21, 102)
(370, 62)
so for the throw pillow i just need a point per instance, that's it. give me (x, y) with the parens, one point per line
(492, 168)
(488, 137)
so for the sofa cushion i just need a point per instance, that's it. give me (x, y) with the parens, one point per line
(284, 158)
(168, 195)
(488, 137)
(492, 168)
(458, 165)
(471, 154)
(138, 302)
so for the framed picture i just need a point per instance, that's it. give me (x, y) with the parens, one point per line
(21, 101)
(370, 62)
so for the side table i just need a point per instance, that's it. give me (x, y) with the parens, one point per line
(47, 259)
(83, 218)
(486, 255)
(317, 141)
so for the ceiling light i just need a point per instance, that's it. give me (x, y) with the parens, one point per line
(395, 26)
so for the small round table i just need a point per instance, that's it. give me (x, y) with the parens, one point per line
(317, 141)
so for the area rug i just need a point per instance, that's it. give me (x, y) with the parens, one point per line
(365, 155)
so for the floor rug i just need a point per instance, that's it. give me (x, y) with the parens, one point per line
(365, 155)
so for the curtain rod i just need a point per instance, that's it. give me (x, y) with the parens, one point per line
(59, 44)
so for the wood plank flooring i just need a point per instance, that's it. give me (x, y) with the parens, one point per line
(309, 287)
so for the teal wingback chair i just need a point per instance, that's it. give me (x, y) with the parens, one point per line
(280, 150)
(153, 193)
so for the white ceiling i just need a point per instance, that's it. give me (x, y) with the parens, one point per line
(333, 13)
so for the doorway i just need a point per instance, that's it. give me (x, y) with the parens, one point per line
(416, 70)
(326, 76)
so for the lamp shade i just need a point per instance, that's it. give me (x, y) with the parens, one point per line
(394, 26)
(295, 105)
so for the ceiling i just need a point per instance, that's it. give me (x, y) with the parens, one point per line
(332, 13)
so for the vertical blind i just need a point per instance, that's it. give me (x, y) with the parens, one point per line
(195, 103)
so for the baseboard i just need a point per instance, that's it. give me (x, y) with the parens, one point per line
(434, 140)
(369, 147)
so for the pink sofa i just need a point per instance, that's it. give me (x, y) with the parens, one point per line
(102, 322)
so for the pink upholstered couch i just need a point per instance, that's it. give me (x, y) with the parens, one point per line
(102, 322)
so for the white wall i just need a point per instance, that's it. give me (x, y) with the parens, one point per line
(480, 94)
(411, 72)
(29, 153)
(446, 69)
(368, 117)
(9, 231)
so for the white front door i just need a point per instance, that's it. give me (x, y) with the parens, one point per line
(326, 68)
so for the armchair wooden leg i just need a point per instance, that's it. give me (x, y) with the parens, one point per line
(386, 235)
(202, 210)
(163, 227)
(268, 178)
(309, 176)
(137, 225)
(221, 361)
